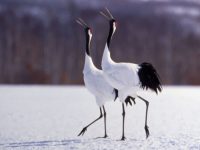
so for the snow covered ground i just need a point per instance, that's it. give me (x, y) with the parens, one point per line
(50, 117)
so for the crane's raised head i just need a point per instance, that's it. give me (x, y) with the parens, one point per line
(113, 24)
(87, 29)
(110, 18)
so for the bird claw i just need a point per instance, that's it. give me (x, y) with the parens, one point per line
(147, 131)
(129, 101)
(133, 100)
(123, 138)
(83, 131)
(105, 136)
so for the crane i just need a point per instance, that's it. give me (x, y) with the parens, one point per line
(128, 78)
(95, 81)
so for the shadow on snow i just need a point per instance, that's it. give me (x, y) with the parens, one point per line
(41, 143)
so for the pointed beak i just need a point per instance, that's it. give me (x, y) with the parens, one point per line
(82, 23)
(107, 14)
(104, 15)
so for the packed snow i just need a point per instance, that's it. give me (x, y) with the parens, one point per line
(50, 117)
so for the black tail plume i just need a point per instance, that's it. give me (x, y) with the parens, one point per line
(149, 78)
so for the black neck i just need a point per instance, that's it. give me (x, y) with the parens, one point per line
(87, 44)
(110, 35)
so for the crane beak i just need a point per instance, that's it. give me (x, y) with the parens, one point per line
(108, 16)
(104, 15)
(109, 13)
(82, 23)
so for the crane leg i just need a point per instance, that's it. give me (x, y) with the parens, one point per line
(104, 114)
(147, 106)
(123, 120)
(85, 128)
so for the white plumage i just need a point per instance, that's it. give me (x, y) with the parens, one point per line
(122, 76)
(94, 81)
(128, 78)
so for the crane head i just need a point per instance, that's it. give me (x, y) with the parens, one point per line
(85, 26)
(107, 14)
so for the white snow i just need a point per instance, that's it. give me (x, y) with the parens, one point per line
(50, 117)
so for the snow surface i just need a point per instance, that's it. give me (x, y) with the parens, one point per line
(50, 117)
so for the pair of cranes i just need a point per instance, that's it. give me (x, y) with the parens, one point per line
(116, 80)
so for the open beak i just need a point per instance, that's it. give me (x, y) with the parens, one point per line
(107, 14)
(82, 23)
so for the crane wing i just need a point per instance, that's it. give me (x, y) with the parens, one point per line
(123, 74)
(97, 84)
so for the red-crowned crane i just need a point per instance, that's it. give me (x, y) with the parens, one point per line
(128, 78)
(95, 81)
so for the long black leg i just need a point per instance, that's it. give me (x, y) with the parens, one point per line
(85, 128)
(104, 112)
(123, 115)
(147, 106)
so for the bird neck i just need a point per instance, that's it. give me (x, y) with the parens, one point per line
(111, 32)
(106, 60)
(88, 39)
(89, 65)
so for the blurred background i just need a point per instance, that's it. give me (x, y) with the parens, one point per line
(40, 42)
